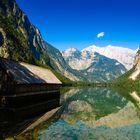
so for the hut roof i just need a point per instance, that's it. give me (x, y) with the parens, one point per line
(24, 73)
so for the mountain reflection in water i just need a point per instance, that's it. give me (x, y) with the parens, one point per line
(95, 113)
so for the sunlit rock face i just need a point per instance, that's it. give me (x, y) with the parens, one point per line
(101, 63)
(58, 63)
(76, 59)
(3, 44)
(123, 55)
(23, 41)
(93, 66)
(136, 96)
(135, 74)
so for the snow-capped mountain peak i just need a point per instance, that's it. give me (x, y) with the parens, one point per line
(70, 51)
(124, 55)
(76, 59)
(92, 65)
(92, 48)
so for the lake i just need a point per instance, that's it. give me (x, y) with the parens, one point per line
(91, 114)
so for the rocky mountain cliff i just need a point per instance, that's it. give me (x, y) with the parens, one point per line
(93, 65)
(123, 55)
(22, 41)
(58, 63)
(104, 69)
(83, 59)
(131, 79)
(76, 59)
(135, 72)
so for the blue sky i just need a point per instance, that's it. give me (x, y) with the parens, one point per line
(76, 23)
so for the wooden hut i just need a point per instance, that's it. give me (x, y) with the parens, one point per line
(22, 83)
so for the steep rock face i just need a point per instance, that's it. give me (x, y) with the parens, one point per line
(135, 73)
(93, 66)
(123, 55)
(22, 40)
(82, 60)
(104, 69)
(76, 59)
(58, 63)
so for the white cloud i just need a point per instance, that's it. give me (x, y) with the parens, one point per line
(101, 34)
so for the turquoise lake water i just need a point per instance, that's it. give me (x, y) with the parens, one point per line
(94, 114)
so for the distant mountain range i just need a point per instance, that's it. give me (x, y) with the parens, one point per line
(100, 63)
(83, 59)
(22, 41)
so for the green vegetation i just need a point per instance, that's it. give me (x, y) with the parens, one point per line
(16, 43)
(17, 46)
(19, 35)
(86, 84)
(138, 51)
(126, 83)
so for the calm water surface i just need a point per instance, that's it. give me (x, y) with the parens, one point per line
(92, 113)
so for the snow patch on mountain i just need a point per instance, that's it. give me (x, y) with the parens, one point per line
(70, 52)
(81, 60)
(76, 59)
(117, 63)
(125, 56)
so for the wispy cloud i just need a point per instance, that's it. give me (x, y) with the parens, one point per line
(101, 34)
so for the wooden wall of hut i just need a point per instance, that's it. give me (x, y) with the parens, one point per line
(6, 83)
(28, 88)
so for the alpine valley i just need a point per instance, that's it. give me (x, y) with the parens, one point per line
(100, 63)
(88, 94)
(22, 41)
